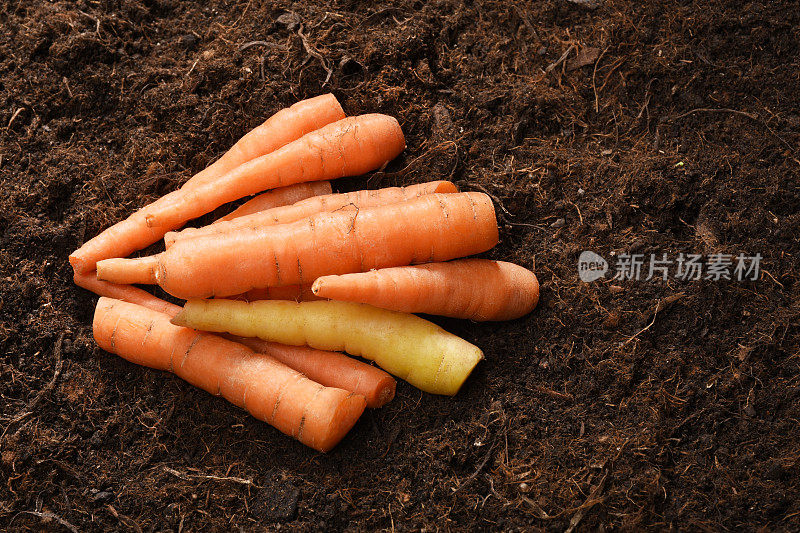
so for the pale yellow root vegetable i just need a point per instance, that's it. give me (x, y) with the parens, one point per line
(405, 345)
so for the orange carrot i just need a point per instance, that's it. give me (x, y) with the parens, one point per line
(316, 415)
(434, 227)
(279, 197)
(280, 129)
(348, 147)
(136, 270)
(331, 369)
(298, 293)
(137, 231)
(126, 271)
(477, 289)
(141, 270)
(125, 293)
(317, 204)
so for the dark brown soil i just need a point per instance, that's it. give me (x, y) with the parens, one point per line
(602, 408)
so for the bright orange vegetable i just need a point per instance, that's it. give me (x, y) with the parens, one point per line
(298, 293)
(141, 270)
(317, 204)
(316, 415)
(279, 197)
(477, 289)
(434, 227)
(331, 369)
(138, 231)
(126, 293)
(348, 147)
(280, 165)
(127, 271)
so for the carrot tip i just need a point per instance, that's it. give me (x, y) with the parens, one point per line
(444, 187)
(315, 287)
(386, 394)
(170, 237)
(79, 265)
(346, 415)
(179, 319)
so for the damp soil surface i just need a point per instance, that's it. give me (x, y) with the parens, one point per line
(616, 127)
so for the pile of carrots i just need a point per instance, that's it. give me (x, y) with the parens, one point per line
(278, 288)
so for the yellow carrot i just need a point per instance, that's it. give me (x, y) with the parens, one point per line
(405, 345)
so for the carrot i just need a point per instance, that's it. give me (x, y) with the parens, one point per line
(126, 271)
(279, 197)
(348, 147)
(316, 415)
(405, 345)
(331, 369)
(297, 293)
(477, 289)
(434, 227)
(137, 231)
(283, 127)
(125, 293)
(120, 271)
(317, 204)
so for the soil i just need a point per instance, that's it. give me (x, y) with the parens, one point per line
(617, 127)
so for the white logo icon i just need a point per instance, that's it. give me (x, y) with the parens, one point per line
(591, 266)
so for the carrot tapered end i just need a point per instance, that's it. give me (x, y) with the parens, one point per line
(337, 412)
(78, 263)
(180, 319)
(385, 391)
(445, 187)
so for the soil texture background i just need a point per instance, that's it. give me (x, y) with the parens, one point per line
(617, 127)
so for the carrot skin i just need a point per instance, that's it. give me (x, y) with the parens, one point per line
(127, 271)
(348, 147)
(475, 289)
(318, 204)
(138, 231)
(135, 270)
(431, 228)
(404, 345)
(279, 197)
(317, 416)
(285, 126)
(126, 293)
(331, 369)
